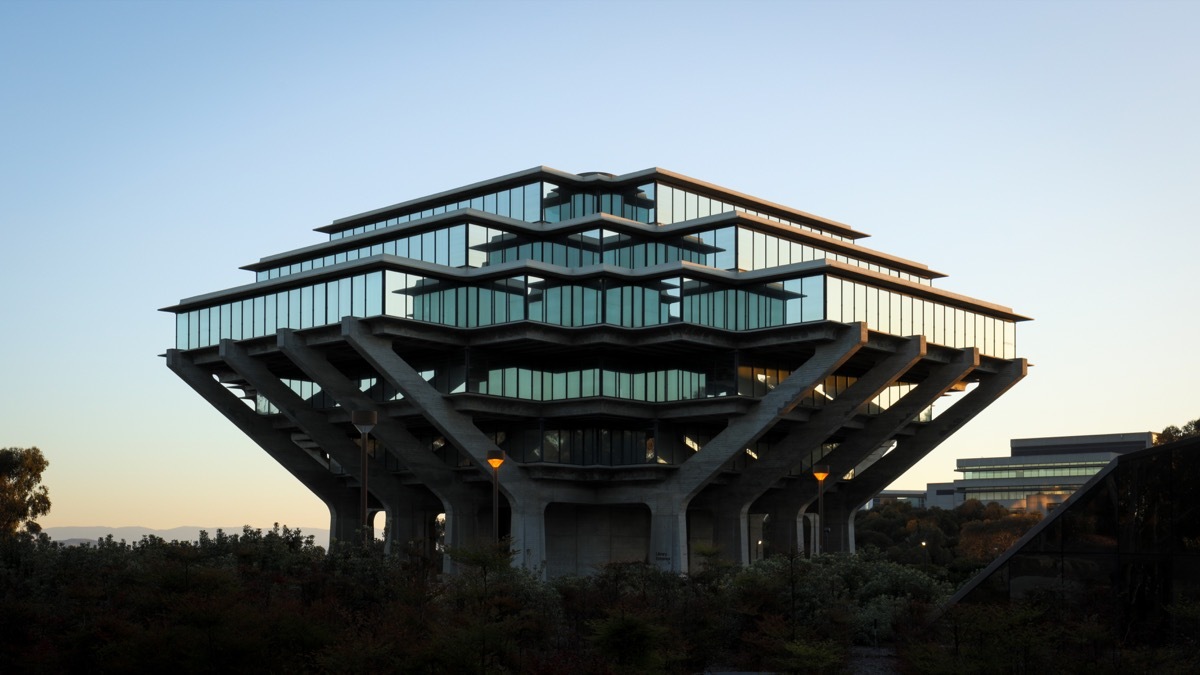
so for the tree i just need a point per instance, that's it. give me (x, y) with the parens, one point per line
(1174, 433)
(22, 497)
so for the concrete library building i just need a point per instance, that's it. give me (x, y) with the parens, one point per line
(599, 367)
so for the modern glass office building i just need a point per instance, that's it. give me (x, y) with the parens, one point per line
(1040, 474)
(661, 360)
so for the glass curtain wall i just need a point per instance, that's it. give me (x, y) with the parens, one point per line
(611, 301)
(475, 245)
(537, 202)
(898, 314)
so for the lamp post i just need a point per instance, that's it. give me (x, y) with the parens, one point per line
(495, 458)
(821, 471)
(364, 421)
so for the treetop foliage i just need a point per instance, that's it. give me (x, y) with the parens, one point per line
(1174, 433)
(950, 544)
(22, 497)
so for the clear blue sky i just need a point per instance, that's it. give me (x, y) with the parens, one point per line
(1046, 155)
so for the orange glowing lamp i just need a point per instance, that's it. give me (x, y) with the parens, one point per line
(821, 472)
(495, 458)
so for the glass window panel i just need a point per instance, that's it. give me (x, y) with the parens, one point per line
(428, 246)
(442, 246)
(344, 306)
(293, 309)
(516, 201)
(533, 203)
(257, 317)
(678, 205)
(331, 302)
(834, 304)
(247, 318)
(456, 246)
(181, 330)
(415, 250)
(772, 251)
(235, 320)
(374, 282)
(665, 206)
(226, 321)
(271, 315)
(726, 248)
(203, 336)
(306, 307)
(281, 309)
(745, 249)
(871, 316)
(502, 201)
(318, 311)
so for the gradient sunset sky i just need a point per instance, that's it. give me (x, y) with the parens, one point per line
(1045, 155)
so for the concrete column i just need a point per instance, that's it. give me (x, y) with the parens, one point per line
(668, 535)
(464, 517)
(343, 518)
(529, 533)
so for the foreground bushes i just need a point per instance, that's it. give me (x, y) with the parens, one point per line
(273, 601)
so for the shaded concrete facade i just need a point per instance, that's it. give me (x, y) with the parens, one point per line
(661, 360)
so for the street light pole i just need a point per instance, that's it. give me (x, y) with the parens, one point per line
(821, 471)
(495, 458)
(364, 421)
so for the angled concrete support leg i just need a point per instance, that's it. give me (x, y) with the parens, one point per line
(858, 445)
(341, 501)
(909, 451)
(702, 467)
(456, 496)
(384, 486)
(699, 470)
(461, 432)
(758, 476)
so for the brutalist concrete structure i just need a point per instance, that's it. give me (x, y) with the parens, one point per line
(662, 361)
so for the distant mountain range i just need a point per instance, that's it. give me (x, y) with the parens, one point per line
(89, 535)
